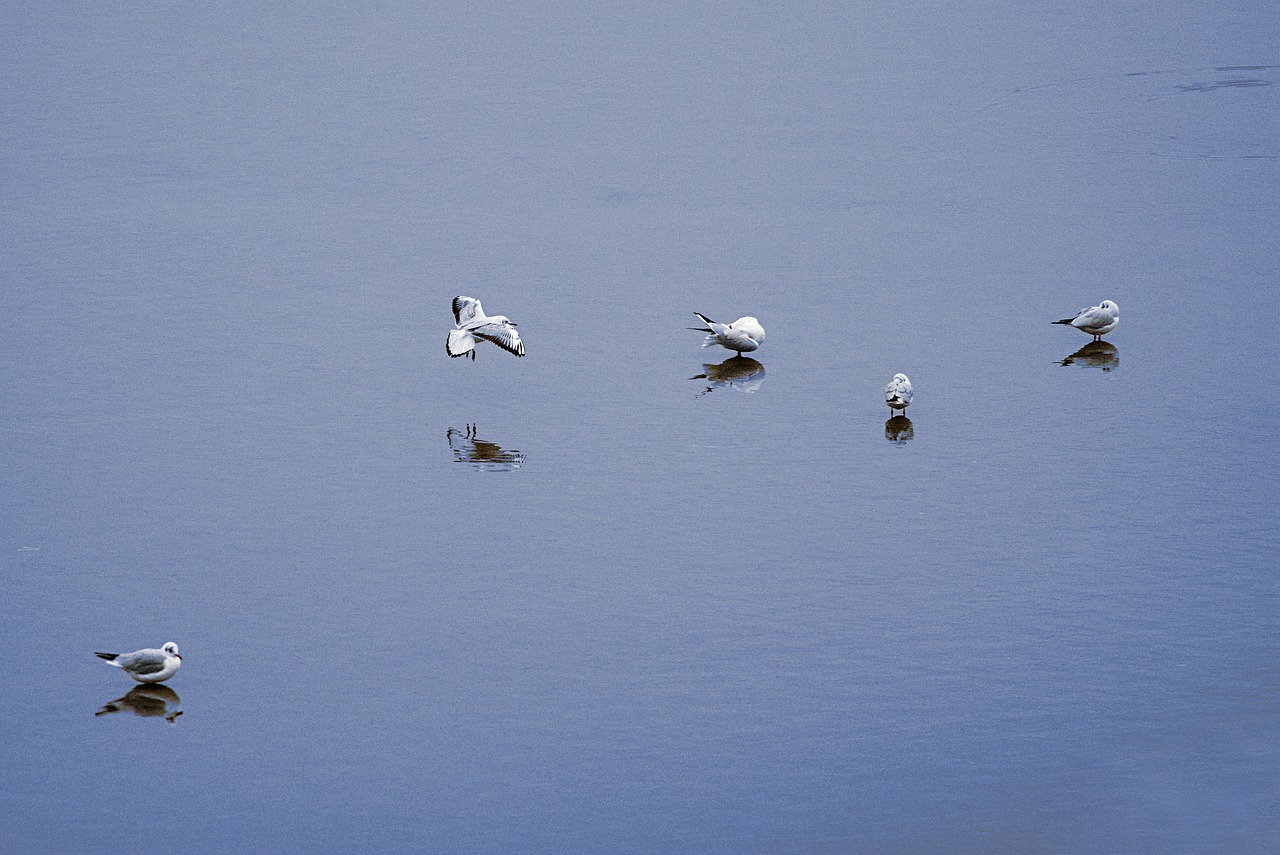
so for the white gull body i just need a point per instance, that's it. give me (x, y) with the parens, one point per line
(743, 335)
(898, 393)
(149, 665)
(1096, 321)
(471, 323)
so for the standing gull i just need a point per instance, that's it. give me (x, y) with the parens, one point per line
(148, 666)
(898, 393)
(743, 335)
(471, 323)
(1096, 321)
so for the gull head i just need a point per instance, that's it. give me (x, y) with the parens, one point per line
(750, 326)
(171, 649)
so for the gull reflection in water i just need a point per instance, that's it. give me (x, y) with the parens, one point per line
(737, 372)
(149, 700)
(1096, 354)
(899, 430)
(481, 454)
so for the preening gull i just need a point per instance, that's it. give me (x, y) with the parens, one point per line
(471, 323)
(743, 335)
(148, 666)
(1096, 321)
(898, 393)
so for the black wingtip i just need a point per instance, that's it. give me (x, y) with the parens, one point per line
(1063, 321)
(110, 657)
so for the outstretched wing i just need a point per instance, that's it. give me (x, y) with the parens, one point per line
(466, 309)
(710, 324)
(504, 336)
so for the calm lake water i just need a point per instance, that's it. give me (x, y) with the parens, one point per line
(618, 595)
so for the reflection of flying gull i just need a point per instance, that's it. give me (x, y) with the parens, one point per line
(489, 456)
(471, 323)
(147, 666)
(898, 393)
(147, 701)
(1096, 321)
(743, 335)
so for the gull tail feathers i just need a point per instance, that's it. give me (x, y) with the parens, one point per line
(460, 343)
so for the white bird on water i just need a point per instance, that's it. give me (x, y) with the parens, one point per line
(743, 335)
(1096, 321)
(898, 393)
(149, 665)
(471, 323)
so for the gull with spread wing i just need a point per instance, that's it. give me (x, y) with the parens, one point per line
(471, 323)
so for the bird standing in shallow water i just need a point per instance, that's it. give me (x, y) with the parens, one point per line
(471, 323)
(149, 665)
(1096, 321)
(898, 393)
(743, 335)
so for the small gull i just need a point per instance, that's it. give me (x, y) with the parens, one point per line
(471, 323)
(148, 666)
(1096, 321)
(898, 393)
(743, 335)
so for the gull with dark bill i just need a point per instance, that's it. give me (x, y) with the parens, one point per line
(898, 393)
(1096, 321)
(743, 335)
(471, 323)
(149, 665)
